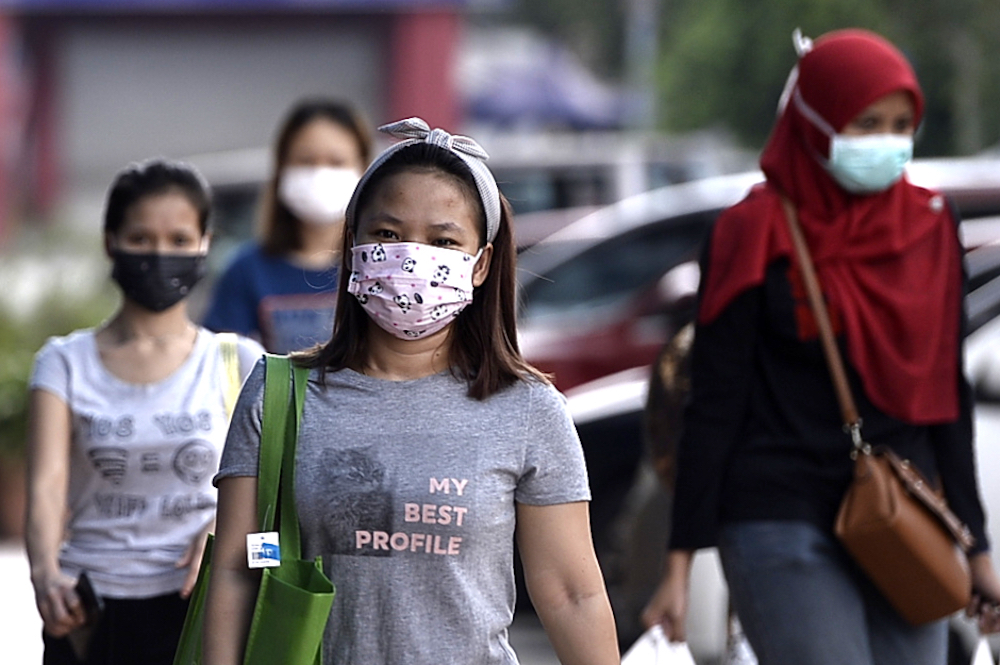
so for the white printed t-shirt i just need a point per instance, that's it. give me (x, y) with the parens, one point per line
(408, 489)
(142, 458)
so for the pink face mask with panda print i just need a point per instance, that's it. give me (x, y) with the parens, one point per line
(410, 289)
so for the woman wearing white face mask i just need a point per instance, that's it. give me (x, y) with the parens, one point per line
(282, 289)
(763, 463)
(427, 442)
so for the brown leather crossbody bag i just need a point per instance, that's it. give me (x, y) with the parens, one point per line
(892, 522)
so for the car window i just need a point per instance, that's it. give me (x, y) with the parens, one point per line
(609, 273)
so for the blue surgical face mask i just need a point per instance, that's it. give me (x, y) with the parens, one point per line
(863, 164)
(870, 163)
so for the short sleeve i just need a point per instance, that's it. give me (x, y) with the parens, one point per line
(51, 371)
(554, 467)
(250, 352)
(239, 456)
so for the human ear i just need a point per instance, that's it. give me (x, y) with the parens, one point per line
(482, 267)
(108, 245)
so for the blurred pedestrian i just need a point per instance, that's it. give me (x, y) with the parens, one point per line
(763, 461)
(427, 442)
(282, 289)
(127, 422)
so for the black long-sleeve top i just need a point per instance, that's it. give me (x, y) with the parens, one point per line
(763, 436)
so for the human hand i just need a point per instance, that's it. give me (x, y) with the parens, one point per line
(58, 604)
(192, 560)
(669, 604)
(984, 607)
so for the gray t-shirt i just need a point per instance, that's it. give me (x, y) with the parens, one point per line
(407, 490)
(141, 461)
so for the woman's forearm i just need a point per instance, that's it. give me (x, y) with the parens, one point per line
(228, 611)
(48, 481)
(582, 630)
(43, 534)
(565, 582)
(232, 589)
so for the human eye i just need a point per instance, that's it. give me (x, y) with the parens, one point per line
(136, 240)
(903, 125)
(385, 234)
(445, 242)
(184, 241)
(866, 124)
(301, 158)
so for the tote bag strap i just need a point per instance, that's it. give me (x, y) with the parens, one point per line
(848, 409)
(288, 521)
(279, 434)
(277, 378)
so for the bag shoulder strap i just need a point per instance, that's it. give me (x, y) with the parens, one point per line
(279, 434)
(288, 521)
(274, 420)
(229, 349)
(848, 409)
(910, 477)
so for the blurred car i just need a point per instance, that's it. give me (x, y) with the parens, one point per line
(604, 293)
(605, 370)
(982, 367)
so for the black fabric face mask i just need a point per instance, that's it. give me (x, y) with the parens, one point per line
(156, 281)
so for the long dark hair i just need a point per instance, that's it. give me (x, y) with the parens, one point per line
(483, 338)
(280, 230)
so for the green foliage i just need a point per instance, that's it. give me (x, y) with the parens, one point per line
(63, 298)
(954, 46)
(725, 62)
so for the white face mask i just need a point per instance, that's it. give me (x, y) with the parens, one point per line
(409, 289)
(317, 194)
(860, 164)
(869, 164)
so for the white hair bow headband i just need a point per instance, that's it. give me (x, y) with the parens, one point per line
(415, 130)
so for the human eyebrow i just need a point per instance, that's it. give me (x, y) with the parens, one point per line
(383, 218)
(446, 227)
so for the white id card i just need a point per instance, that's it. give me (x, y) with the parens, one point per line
(263, 550)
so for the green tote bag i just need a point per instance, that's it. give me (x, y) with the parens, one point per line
(294, 599)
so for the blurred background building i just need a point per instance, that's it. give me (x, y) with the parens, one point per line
(88, 85)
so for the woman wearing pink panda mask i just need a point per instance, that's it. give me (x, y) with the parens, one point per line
(427, 442)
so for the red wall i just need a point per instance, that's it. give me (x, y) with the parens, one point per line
(422, 68)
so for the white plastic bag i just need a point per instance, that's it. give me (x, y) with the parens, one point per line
(738, 649)
(653, 648)
(983, 655)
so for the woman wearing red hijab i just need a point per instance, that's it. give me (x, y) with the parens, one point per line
(763, 463)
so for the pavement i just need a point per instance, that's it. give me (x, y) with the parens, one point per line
(22, 629)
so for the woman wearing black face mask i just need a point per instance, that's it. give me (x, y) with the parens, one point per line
(126, 425)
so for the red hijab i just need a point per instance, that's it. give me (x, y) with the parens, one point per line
(889, 263)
